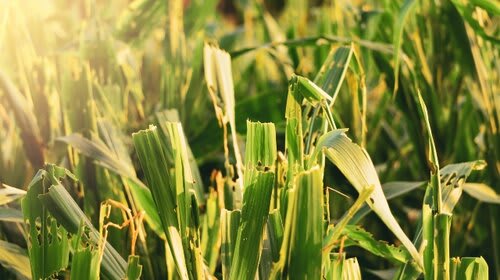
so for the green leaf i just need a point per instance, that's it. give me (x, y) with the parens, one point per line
(356, 236)
(303, 88)
(258, 186)
(294, 134)
(118, 161)
(275, 233)
(86, 259)
(332, 73)
(325, 141)
(154, 163)
(230, 221)
(48, 201)
(261, 150)
(134, 269)
(338, 267)
(144, 201)
(330, 78)
(469, 268)
(172, 189)
(65, 210)
(185, 198)
(433, 161)
(302, 242)
(453, 178)
(452, 175)
(48, 243)
(333, 233)
(256, 201)
(273, 238)
(442, 224)
(351, 270)
(355, 163)
(172, 116)
(335, 266)
(428, 239)
(309, 90)
(211, 231)
(399, 26)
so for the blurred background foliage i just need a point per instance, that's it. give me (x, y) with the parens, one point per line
(103, 69)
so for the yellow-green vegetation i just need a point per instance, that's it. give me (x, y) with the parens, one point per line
(207, 139)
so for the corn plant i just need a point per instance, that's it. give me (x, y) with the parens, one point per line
(249, 139)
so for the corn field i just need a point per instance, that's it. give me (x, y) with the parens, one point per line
(209, 139)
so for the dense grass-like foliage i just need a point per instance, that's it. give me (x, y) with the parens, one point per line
(205, 139)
